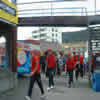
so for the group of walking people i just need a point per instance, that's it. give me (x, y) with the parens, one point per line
(52, 64)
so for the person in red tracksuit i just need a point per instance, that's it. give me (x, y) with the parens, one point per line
(75, 58)
(35, 76)
(79, 66)
(51, 66)
(70, 67)
(93, 65)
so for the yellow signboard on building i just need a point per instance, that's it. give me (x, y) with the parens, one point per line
(8, 11)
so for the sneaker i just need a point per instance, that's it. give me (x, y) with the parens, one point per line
(69, 86)
(52, 87)
(49, 88)
(43, 96)
(27, 98)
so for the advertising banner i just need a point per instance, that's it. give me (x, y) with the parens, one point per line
(23, 61)
(8, 12)
(24, 50)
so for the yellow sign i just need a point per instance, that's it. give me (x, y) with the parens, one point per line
(8, 11)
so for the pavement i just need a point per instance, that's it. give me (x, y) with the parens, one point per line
(79, 91)
(4, 79)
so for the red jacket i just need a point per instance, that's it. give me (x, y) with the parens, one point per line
(92, 63)
(75, 59)
(70, 63)
(51, 61)
(35, 63)
(81, 59)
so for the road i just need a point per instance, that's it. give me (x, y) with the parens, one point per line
(79, 91)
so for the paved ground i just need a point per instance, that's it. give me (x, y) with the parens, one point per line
(80, 91)
(4, 80)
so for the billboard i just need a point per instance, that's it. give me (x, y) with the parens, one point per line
(24, 50)
(8, 12)
(23, 61)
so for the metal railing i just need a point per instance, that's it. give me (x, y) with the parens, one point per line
(74, 11)
(52, 10)
(47, 1)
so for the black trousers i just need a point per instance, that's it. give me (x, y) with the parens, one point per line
(70, 72)
(79, 71)
(92, 69)
(51, 77)
(58, 70)
(43, 67)
(36, 78)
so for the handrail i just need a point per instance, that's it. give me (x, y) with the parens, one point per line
(52, 9)
(48, 11)
(92, 12)
(53, 1)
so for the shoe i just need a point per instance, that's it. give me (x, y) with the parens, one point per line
(76, 79)
(43, 96)
(49, 88)
(69, 86)
(27, 98)
(52, 87)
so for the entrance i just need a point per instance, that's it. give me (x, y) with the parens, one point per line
(8, 53)
(4, 71)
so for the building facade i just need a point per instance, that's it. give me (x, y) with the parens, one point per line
(50, 34)
(78, 36)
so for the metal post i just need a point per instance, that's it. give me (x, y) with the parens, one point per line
(82, 11)
(40, 32)
(51, 8)
(95, 6)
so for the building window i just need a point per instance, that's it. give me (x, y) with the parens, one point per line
(52, 29)
(56, 35)
(53, 34)
(42, 35)
(35, 36)
(52, 40)
(35, 32)
(56, 30)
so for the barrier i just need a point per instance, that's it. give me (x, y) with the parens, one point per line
(96, 82)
